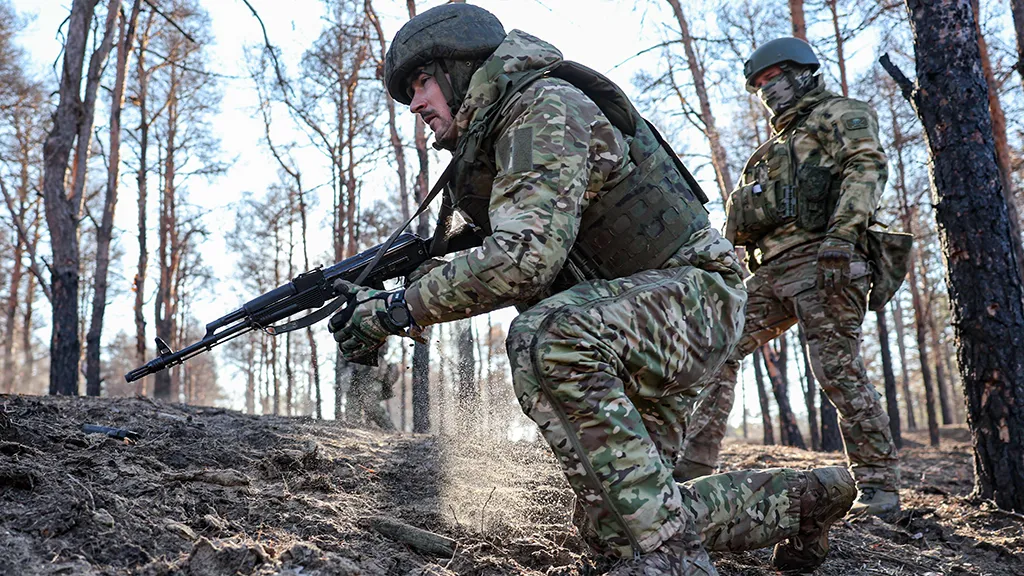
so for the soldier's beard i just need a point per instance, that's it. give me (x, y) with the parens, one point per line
(785, 90)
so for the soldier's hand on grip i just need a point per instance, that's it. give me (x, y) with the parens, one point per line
(834, 258)
(368, 319)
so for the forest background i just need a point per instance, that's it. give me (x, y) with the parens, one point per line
(240, 166)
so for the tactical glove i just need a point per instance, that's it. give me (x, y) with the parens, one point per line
(834, 258)
(422, 270)
(366, 322)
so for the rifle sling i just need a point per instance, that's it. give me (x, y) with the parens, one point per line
(330, 308)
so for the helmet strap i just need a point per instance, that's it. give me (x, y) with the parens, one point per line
(439, 72)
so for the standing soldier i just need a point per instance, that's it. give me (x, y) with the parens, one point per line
(805, 201)
(630, 300)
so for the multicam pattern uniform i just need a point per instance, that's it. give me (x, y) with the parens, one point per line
(842, 135)
(607, 369)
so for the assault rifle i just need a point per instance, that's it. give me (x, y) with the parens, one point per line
(310, 290)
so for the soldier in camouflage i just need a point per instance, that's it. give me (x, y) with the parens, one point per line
(805, 201)
(628, 307)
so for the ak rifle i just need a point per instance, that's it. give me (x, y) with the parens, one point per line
(310, 290)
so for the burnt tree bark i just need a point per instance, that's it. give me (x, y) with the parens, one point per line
(62, 210)
(982, 274)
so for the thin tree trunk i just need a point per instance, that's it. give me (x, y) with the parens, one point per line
(775, 364)
(1017, 8)
(908, 400)
(762, 397)
(421, 352)
(62, 214)
(141, 178)
(892, 406)
(940, 373)
(810, 397)
(840, 42)
(1002, 146)
(719, 159)
(831, 436)
(796, 12)
(126, 37)
(921, 323)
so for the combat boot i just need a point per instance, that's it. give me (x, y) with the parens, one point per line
(680, 555)
(875, 501)
(827, 497)
(688, 470)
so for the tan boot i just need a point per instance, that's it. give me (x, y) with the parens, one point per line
(826, 498)
(688, 470)
(680, 555)
(874, 501)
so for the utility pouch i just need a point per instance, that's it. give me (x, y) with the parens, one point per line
(813, 210)
(889, 257)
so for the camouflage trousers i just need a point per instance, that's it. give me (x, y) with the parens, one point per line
(782, 293)
(608, 370)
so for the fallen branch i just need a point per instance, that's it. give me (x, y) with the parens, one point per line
(419, 539)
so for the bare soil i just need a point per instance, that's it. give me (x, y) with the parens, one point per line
(207, 491)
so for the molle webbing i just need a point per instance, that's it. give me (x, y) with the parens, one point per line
(638, 224)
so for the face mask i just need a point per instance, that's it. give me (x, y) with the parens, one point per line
(783, 91)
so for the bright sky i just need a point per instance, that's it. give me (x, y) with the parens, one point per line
(602, 34)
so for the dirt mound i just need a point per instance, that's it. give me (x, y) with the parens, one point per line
(206, 491)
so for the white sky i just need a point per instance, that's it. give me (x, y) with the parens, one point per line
(602, 34)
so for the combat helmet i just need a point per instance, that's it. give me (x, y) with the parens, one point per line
(453, 37)
(780, 51)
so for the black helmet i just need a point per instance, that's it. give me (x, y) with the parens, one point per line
(447, 32)
(777, 51)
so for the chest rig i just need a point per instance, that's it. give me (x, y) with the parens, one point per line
(778, 190)
(636, 225)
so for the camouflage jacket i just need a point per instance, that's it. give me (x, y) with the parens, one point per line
(539, 194)
(840, 134)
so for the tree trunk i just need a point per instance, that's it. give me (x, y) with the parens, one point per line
(840, 57)
(1017, 8)
(921, 323)
(775, 364)
(796, 12)
(810, 398)
(421, 352)
(891, 405)
(1002, 146)
(940, 375)
(831, 436)
(762, 397)
(468, 388)
(141, 179)
(983, 278)
(908, 400)
(126, 37)
(62, 213)
(719, 159)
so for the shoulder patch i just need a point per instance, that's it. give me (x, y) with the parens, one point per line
(855, 122)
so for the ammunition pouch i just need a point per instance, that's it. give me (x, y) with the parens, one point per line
(754, 210)
(815, 204)
(889, 257)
